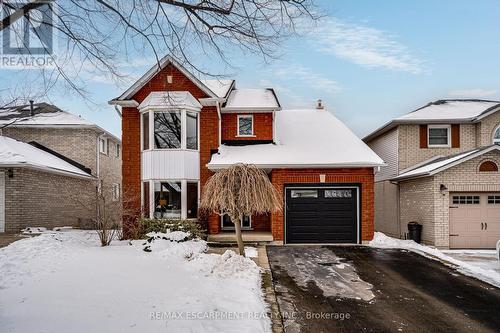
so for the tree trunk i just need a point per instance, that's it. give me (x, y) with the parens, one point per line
(239, 238)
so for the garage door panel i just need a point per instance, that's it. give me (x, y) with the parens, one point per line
(474, 223)
(322, 220)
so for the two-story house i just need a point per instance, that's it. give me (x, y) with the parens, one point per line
(51, 163)
(442, 171)
(178, 130)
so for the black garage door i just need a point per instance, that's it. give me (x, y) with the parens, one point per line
(321, 215)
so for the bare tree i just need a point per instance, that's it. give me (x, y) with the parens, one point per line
(240, 190)
(100, 35)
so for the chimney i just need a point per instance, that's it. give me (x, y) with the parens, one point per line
(319, 105)
(32, 110)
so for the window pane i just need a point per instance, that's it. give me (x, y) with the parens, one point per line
(245, 126)
(438, 136)
(168, 200)
(304, 194)
(338, 193)
(496, 137)
(145, 131)
(167, 130)
(494, 199)
(192, 130)
(192, 200)
(466, 200)
(145, 202)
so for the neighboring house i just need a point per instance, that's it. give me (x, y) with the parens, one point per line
(46, 191)
(178, 130)
(442, 171)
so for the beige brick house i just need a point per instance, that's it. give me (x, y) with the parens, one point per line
(51, 164)
(442, 171)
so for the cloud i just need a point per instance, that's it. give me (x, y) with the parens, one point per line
(363, 45)
(307, 77)
(473, 93)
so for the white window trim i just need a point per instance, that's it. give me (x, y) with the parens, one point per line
(105, 150)
(240, 116)
(183, 129)
(250, 227)
(118, 148)
(494, 132)
(448, 128)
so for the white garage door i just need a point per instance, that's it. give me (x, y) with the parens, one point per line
(2, 202)
(474, 220)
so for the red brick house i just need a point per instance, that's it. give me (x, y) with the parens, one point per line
(178, 130)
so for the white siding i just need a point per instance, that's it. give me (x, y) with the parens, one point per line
(386, 146)
(170, 164)
(2, 202)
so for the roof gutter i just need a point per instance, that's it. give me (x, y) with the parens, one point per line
(46, 169)
(299, 166)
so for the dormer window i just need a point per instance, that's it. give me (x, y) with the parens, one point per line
(439, 135)
(496, 135)
(245, 125)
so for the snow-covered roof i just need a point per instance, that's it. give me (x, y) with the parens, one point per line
(251, 100)
(304, 138)
(15, 153)
(219, 87)
(447, 111)
(45, 115)
(170, 99)
(440, 164)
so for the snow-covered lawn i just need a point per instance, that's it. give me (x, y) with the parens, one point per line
(65, 282)
(479, 264)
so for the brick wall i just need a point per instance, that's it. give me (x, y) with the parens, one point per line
(363, 176)
(131, 167)
(486, 128)
(34, 198)
(421, 199)
(262, 126)
(410, 152)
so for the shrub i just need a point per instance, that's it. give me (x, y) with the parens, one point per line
(163, 225)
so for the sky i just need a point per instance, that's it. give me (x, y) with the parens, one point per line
(369, 61)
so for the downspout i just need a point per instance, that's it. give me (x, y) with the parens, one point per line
(118, 111)
(220, 121)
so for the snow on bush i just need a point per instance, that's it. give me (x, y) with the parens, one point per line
(490, 276)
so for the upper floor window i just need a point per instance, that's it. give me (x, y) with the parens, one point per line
(191, 130)
(167, 130)
(245, 125)
(118, 150)
(103, 145)
(496, 135)
(439, 135)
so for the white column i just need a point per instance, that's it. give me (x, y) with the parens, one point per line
(151, 129)
(184, 198)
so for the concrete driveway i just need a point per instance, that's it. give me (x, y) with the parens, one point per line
(363, 289)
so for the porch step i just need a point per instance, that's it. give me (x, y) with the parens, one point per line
(248, 237)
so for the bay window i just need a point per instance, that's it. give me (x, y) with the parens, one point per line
(170, 199)
(173, 129)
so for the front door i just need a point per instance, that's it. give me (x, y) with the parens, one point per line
(228, 224)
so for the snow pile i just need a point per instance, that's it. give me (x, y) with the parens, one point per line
(171, 244)
(251, 252)
(498, 250)
(490, 276)
(67, 282)
(33, 230)
(176, 236)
